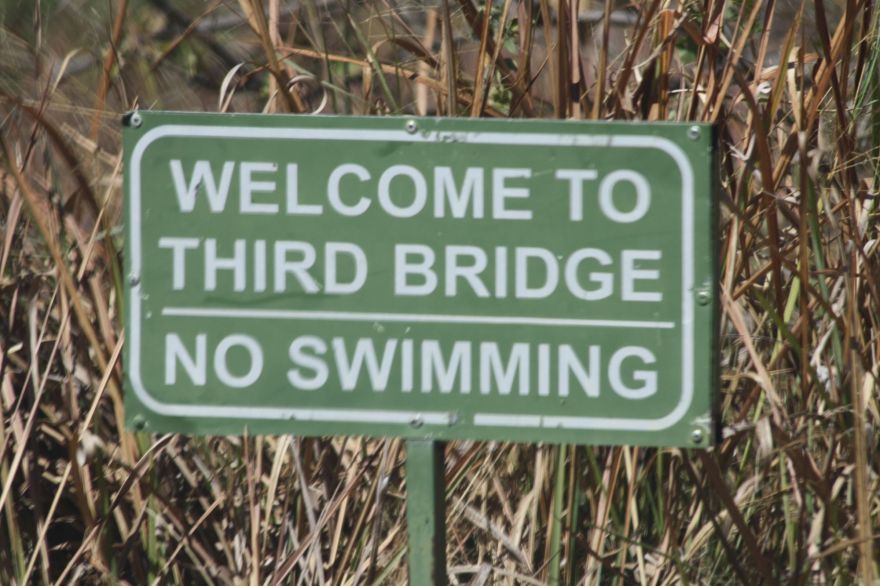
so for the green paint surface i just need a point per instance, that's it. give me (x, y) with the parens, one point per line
(422, 278)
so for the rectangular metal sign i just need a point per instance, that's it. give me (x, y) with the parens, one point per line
(422, 278)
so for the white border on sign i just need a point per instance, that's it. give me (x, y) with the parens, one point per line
(375, 416)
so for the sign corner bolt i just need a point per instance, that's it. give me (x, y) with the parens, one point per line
(704, 296)
(139, 423)
(132, 119)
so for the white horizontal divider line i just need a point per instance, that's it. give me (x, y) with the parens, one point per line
(411, 317)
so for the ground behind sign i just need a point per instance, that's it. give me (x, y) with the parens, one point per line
(422, 278)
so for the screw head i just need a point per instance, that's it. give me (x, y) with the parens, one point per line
(138, 423)
(136, 120)
(704, 297)
(134, 280)
(694, 132)
(417, 421)
(411, 126)
(697, 436)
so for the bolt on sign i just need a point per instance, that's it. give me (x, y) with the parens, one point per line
(421, 278)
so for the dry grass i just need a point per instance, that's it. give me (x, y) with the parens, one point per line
(790, 495)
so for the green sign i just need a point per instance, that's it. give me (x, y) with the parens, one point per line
(423, 278)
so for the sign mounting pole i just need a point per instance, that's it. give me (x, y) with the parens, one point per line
(426, 511)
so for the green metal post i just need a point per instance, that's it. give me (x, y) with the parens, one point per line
(426, 512)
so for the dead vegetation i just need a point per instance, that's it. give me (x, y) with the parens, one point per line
(789, 496)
